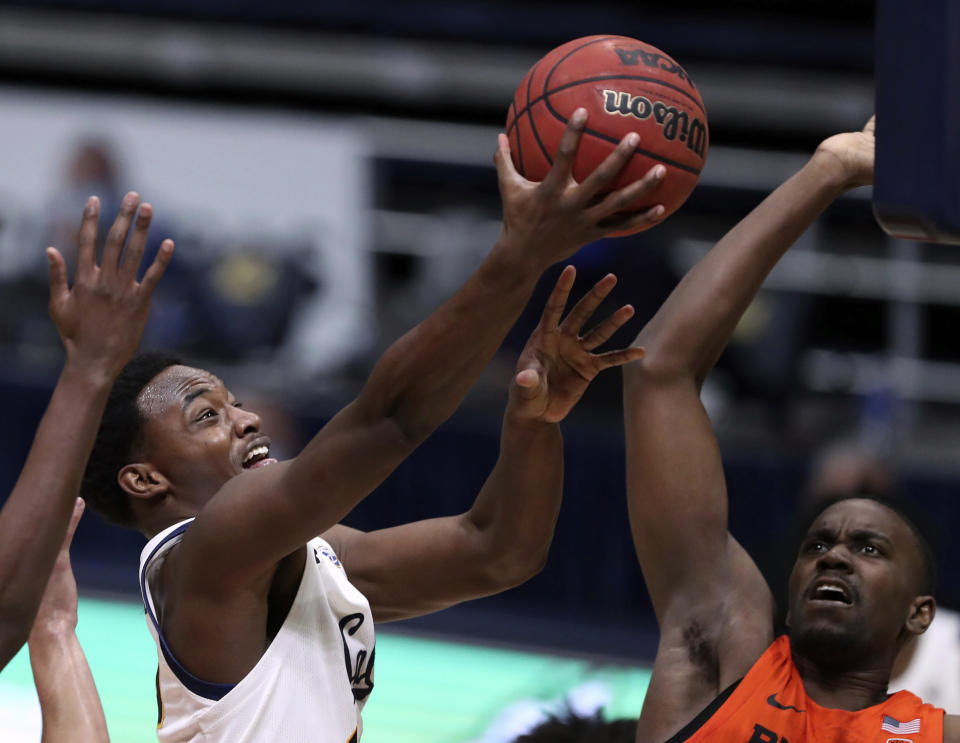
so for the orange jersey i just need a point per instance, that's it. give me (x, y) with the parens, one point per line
(770, 705)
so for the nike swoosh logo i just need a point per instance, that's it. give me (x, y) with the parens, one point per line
(772, 701)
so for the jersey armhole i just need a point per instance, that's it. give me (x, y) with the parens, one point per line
(701, 719)
(207, 689)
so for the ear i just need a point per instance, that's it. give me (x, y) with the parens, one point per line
(787, 619)
(922, 611)
(142, 480)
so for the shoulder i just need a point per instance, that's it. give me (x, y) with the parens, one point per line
(161, 543)
(340, 539)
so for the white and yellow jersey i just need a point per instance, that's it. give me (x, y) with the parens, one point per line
(309, 686)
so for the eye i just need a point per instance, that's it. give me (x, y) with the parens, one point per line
(869, 549)
(815, 546)
(237, 404)
(207, 413)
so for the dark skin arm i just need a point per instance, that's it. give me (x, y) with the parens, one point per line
(951, 729)
(228, 559)
(714, 609)
(100, 320)
(504, 538)
(69, 702)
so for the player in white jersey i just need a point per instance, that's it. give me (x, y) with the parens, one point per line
(234, 597)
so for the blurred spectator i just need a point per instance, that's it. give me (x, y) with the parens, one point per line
(577, 717)
(92, 167)
(572, 728)
(221, 299)
(245, 299)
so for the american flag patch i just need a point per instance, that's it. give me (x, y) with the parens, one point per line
(895, 726)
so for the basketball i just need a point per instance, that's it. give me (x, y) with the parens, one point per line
(626, 86)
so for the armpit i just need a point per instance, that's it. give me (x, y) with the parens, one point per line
(701, 646)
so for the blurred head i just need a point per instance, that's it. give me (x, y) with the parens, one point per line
(170, 438)
(862, 584)
(571, 728)
(846, 468)
(91, 161)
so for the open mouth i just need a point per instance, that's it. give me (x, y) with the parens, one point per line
(831, 592)
(257, 456)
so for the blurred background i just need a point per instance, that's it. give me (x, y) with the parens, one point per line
(326, 171)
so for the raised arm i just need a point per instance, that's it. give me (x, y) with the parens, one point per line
(421, 378)
(69, 702)
(503, 539)
(100, 321)
(713, 606)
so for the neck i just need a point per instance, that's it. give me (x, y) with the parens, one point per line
(152, 521)
(847, 689)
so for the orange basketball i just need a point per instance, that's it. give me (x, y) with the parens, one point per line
(626, 86)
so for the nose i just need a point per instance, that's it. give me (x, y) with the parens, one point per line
(245, 421)
(836, 558)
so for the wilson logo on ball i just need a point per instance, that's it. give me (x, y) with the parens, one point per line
(676, 124)
(633, 57)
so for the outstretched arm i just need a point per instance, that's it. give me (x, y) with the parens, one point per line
(418, 382)
(68, 696)
(503, 539)
(712, 604)
(100, 320)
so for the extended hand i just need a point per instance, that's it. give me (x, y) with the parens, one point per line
(553, 219)
(854, 153)
(102, 317)
(58, 607)
(557, 364)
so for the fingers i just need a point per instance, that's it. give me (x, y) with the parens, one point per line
(602, 332)
(557, 302)
(621, 199)
(608, 171)
(78, 507)
(138, 240)
(632, 222)
(159, 265)
(588, 304)
(58, 276)
(619, 358)
(503, 162)
(562, 169)
(118, 232)
(87, 245)
(871, 125)
(528, 379)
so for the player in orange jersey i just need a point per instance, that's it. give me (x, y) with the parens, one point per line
(862, 583)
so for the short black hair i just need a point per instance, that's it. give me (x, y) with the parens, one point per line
(119, 436)
(572, 728)
(919, 525)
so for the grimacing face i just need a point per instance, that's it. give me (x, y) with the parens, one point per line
(855, 586)
(197, 434)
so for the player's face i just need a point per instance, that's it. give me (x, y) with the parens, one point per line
(854, 583)
(197, 434)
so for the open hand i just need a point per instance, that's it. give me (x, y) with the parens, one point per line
(101, 318)
(854, 153)
(553, 219)
(558, 364)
